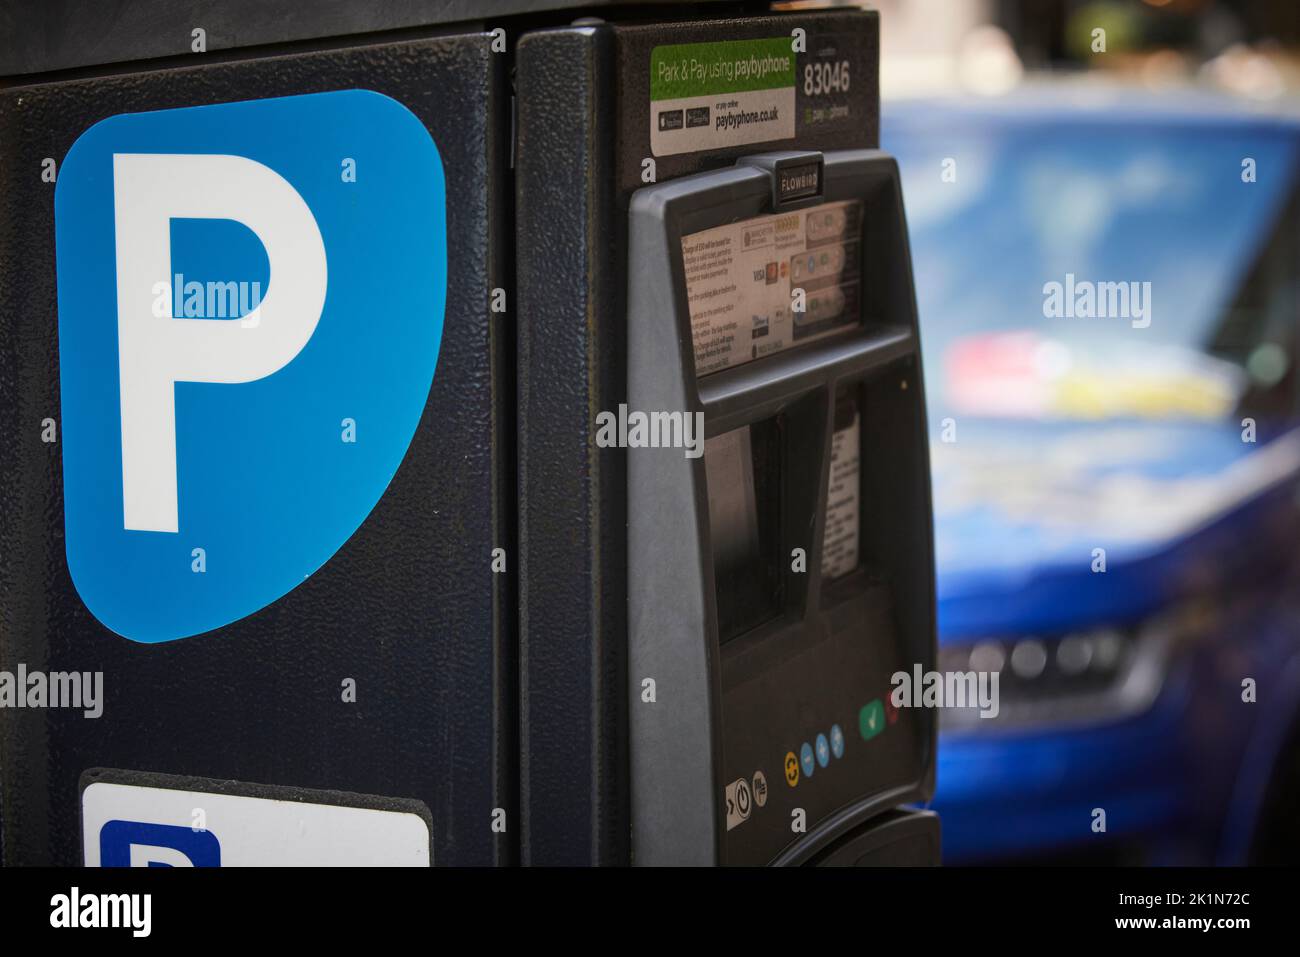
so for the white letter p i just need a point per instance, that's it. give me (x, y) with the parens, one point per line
(156, 352)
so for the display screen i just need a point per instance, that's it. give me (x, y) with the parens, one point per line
(746, 282)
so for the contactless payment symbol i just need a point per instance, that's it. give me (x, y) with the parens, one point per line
(837, 741)
(250, 311)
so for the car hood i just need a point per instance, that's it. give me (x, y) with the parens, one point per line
(1021, 509)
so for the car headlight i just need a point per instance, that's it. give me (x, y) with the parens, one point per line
(1081, 676)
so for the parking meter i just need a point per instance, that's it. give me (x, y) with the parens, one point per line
(724, 527)
(457, 434)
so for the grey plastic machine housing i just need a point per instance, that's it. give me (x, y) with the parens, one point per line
(724, 709)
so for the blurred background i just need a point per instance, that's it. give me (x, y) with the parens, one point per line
(1115, 477)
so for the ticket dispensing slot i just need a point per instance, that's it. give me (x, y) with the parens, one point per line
(776, 582)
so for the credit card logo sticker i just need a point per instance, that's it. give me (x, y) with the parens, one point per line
(251, 304)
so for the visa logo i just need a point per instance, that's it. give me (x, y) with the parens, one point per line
(139, 844)
(251, 303)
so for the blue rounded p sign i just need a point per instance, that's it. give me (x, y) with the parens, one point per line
(251, 304)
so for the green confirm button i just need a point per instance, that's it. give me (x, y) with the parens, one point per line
(871, 719)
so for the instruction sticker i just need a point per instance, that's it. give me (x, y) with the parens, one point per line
(741, 281)
(843, 497)
(712, 95)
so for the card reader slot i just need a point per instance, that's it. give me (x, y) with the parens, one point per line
(763, 487)
(743, 471)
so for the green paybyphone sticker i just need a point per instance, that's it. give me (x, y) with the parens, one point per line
(727, 93)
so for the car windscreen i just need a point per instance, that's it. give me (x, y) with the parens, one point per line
(1084, 269)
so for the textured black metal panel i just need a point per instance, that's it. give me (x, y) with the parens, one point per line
(572, 590)
(408, 607)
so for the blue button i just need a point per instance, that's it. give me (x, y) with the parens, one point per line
(806, 760)
(837, 741)
(823, 750)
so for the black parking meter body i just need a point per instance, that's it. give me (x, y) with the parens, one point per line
(672, 668)
(473, 656)
(408, 614)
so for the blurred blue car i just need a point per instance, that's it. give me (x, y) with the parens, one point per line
(1115, 489)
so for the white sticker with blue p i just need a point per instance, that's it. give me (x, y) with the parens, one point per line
(146, 825)
(251, 303)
